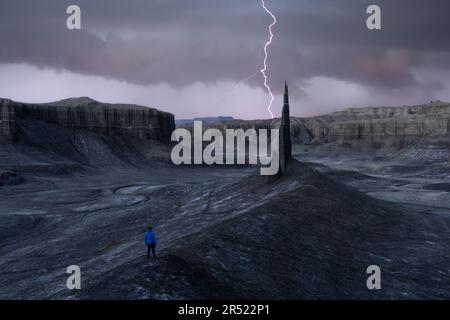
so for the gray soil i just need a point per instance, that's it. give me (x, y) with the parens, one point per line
(223, 233)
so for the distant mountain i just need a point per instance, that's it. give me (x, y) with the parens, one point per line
(364, 127)
(74, 102)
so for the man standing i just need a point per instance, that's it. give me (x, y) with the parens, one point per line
(150, 241)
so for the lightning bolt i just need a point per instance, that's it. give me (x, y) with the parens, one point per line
(266, 45)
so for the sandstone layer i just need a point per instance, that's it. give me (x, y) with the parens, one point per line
(83, 131)
(377, 125)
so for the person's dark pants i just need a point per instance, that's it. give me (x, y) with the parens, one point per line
(151, 247)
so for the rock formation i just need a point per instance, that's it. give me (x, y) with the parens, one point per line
(285, 133)
(370, 126)
(84, 113)
(76, 133)
(7, 120)
(431, 119)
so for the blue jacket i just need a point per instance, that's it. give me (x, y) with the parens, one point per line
(149, 237)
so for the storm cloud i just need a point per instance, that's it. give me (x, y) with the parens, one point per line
(319, 45)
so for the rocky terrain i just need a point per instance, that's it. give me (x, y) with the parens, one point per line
(75, 192)
(247, 239)
(372, 127)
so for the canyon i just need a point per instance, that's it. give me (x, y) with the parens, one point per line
(82, 180)
(372, 125)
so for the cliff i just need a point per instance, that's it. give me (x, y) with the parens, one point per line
(84, 113)
(82, 131)
(353, 125)
(431, 120)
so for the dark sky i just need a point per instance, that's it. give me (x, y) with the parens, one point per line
(201, 57)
